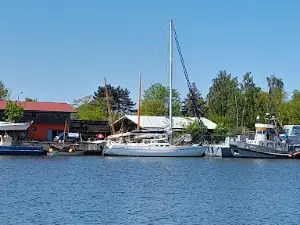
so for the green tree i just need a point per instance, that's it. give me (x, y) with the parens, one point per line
(220, 133)
(4, 92)
(277, 98)
(87, 109)
(224, 99)
(153, 108)
(158, 95)
(262, 105)
(13, 112)
(293, 108)
(27, 99)
(249, 94)
(188, 107)
(120, 100)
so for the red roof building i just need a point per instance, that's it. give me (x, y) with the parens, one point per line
(43, 106)
(48, 118)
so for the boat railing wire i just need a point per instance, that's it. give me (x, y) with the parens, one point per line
(212, 139)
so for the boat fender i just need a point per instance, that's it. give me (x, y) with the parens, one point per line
(50, 150)
(70, 150)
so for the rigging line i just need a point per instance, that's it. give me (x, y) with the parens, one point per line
(160, 42)
(186, 76)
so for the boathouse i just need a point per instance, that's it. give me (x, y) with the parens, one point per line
(48, 118)
(90, 128)
(129, 123)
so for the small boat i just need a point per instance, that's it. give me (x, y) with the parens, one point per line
(58, 153)
(64, 150)
(7, 148)
(219, 150)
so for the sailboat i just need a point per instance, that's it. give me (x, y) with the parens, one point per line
(157, 147)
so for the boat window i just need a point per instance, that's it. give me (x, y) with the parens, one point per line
(268, 135)
(146, 141)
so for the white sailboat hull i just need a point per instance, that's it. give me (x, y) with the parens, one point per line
(153, 151)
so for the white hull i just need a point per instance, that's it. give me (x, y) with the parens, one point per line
(7, 126)
(219, 151)
(169, 151)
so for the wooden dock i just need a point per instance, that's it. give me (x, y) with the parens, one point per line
(88, 148)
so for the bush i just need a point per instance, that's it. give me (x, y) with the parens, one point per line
(195, 130)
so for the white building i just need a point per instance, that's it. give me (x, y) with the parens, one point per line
(129, 122)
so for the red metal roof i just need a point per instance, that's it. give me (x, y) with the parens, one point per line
(43, 106)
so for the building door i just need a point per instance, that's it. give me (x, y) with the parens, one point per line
(49, 135)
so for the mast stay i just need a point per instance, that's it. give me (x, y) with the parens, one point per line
(187, 77)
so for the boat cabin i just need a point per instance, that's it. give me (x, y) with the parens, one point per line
(157, 142)
(292, 132)
(263, 133)
(292, 129)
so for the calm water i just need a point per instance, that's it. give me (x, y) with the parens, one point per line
(98, 190)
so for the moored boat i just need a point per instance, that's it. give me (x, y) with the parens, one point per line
(266, 144)
(10, 146)
(59, 153)
(153, 148)
(219, 150)
(7, 148)
(159, 147)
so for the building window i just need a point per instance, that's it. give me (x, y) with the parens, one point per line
(33, 114)
(33, 129)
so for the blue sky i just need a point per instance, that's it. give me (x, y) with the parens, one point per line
(60, 50)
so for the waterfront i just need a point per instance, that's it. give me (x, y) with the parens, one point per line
(123, 190)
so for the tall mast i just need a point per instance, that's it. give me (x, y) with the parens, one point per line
(139, 103)
(109, 108)
(170, 74)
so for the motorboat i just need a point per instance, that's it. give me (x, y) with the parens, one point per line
(266, 144)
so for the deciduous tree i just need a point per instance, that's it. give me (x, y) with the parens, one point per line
(27, 99)
(13, 112)
(4, 92)
(158, 95)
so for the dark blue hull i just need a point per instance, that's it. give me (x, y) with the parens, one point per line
(21, 150)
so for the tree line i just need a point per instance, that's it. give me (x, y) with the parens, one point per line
(233, 105)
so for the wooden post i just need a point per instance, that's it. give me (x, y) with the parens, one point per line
(109, 108)
(139, 103)
(65, 128)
